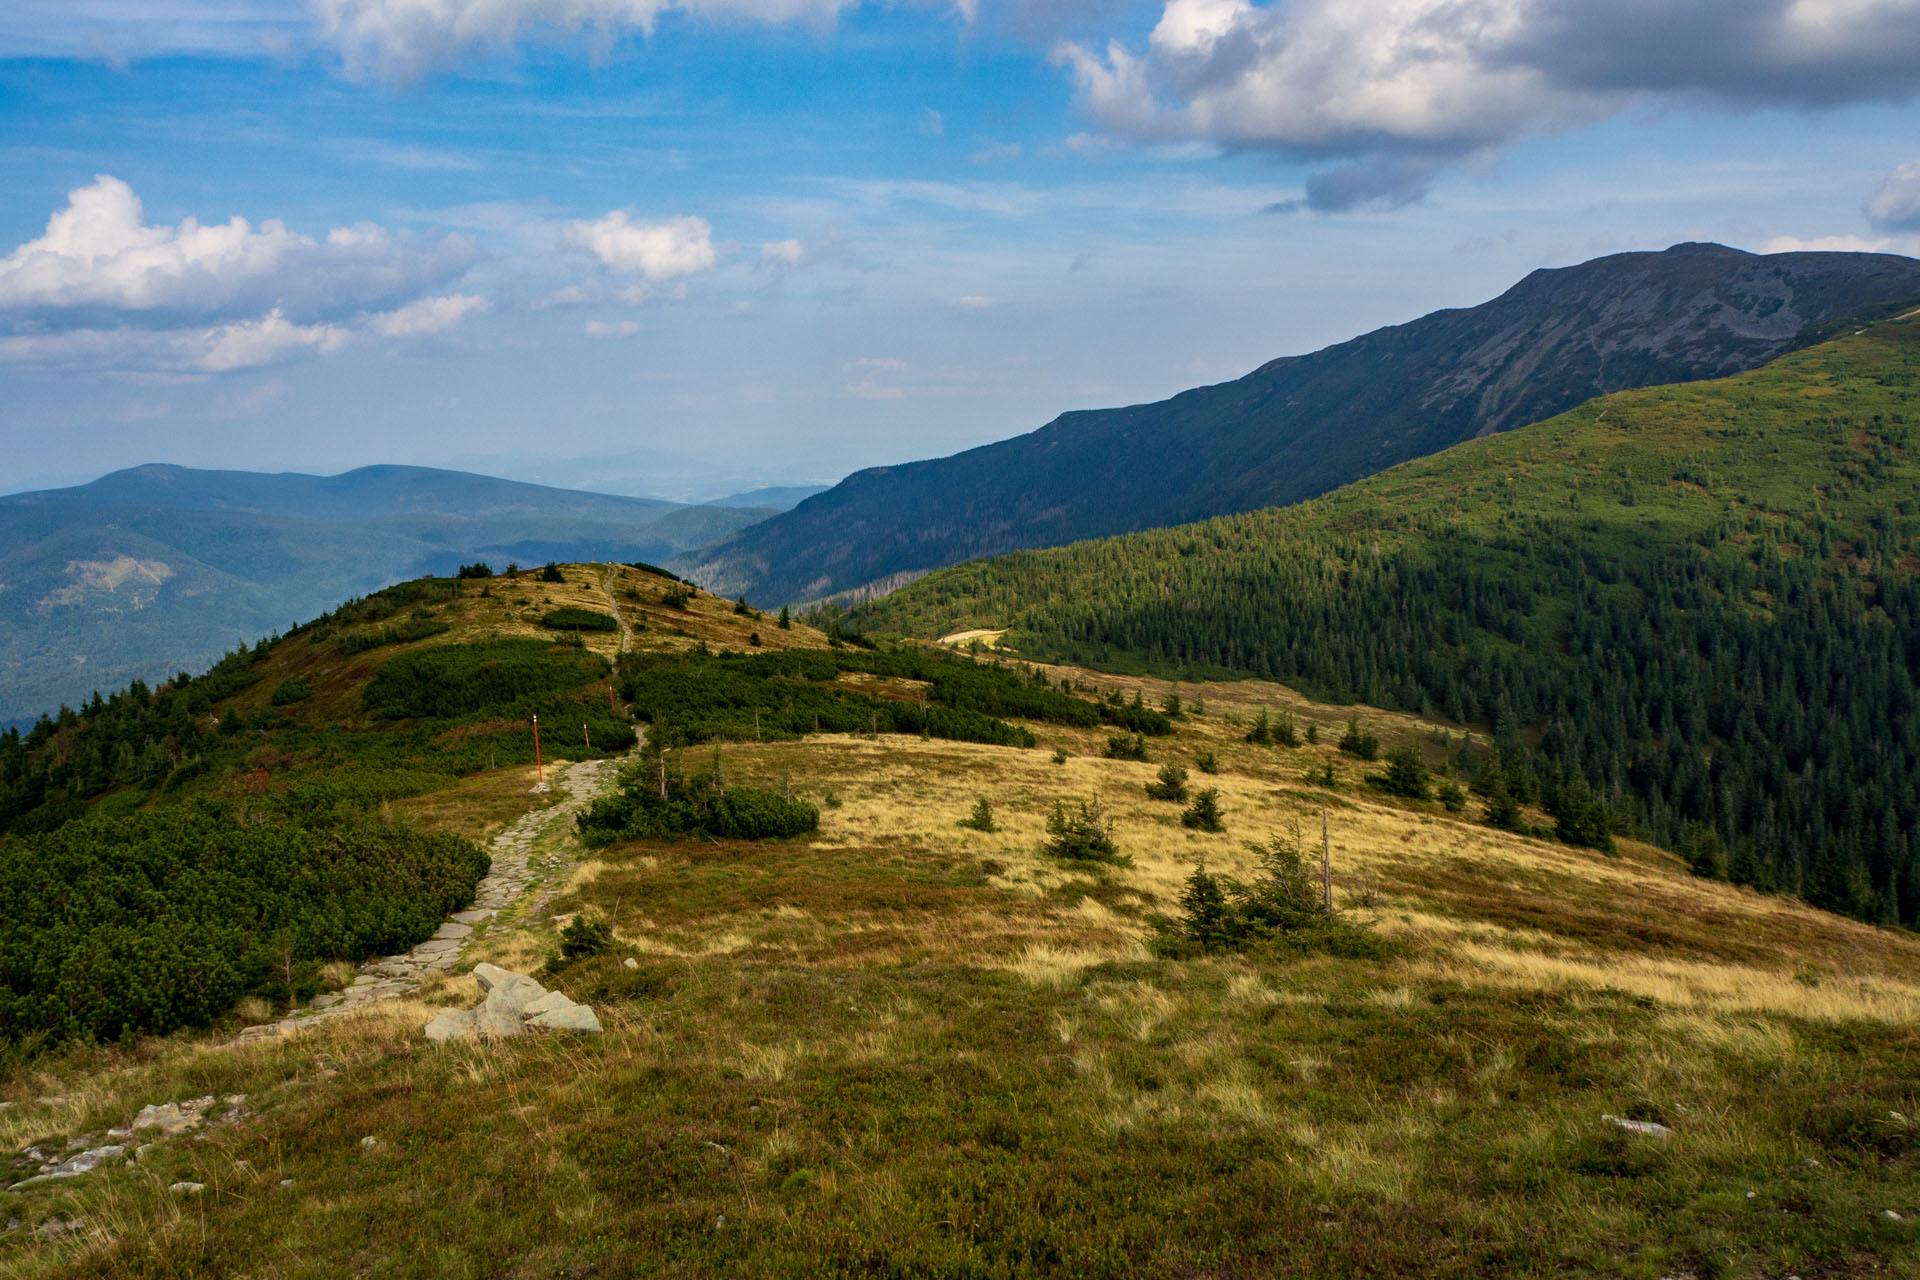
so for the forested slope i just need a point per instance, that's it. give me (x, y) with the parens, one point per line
(1701, 600)
(1299, 426)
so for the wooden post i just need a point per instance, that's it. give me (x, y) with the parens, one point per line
(1326, 859)
(756, 724)
(586, 735)
(663, 774)
(873, 726)
(539, 770)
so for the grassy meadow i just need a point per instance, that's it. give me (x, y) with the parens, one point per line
(903, 1048)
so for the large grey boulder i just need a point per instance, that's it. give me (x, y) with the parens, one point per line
(515, 1004)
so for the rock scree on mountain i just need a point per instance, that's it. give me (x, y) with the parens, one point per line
(514, 1005)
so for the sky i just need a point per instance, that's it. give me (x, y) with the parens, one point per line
(695, 245)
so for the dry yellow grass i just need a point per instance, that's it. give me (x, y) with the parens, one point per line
(1477, 905)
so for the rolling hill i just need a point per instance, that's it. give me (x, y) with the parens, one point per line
(1697, 602)
(1303, 425)
(156, 569)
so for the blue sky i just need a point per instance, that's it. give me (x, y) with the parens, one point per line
(784, 239)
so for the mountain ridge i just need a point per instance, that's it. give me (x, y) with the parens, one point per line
(1300, 425)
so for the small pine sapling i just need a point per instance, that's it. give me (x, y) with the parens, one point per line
(1171, 785)
(1204, 813)
(1207, 762)
(981, 819)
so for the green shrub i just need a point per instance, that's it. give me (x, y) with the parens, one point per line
(1080, 834)
(981, 819)
(291, 691)
(570, 618)
(700, 805)
(1204, 813)
(479, 569)
(458, 679)
(1171, 784)
(164, 919)
(1282, 909)
(550, 572)
(1406, 774)
(1126, 747)
(1357, 742)
(1207, 762)
(1452, 798)
(583, 938)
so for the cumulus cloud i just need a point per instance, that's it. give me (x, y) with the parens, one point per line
(101, 288)
(1896, 205)
(1391, 90)
(611, 328)
(655, 251)
(98, 258)
(405, 39)
(974, 302)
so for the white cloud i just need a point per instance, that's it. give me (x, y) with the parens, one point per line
(974, 302)
(1396, 88)
(1827, 244)
(611, 328)
(887, 363)
(428, 315)
(100, 289)
(931, 123)
(226, 348)
(98, 256)
(656, 251)
(405, 39)
(784, 252)
(1896, 205)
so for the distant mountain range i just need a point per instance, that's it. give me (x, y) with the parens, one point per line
(150, 570)
(1302, 425)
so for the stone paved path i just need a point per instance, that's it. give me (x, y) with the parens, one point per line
(531, 852)
(626, 631)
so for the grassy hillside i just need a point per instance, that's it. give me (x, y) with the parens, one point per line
(1700, 600)
(900, 1047)
(1299, 426)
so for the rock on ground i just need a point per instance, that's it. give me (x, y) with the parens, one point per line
(515, 1003)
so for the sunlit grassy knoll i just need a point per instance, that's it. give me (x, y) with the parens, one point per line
(909, 1049)
(512, 607)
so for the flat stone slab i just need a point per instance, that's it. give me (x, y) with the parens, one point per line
(436, 946)
(471, 917)
(452, 930)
